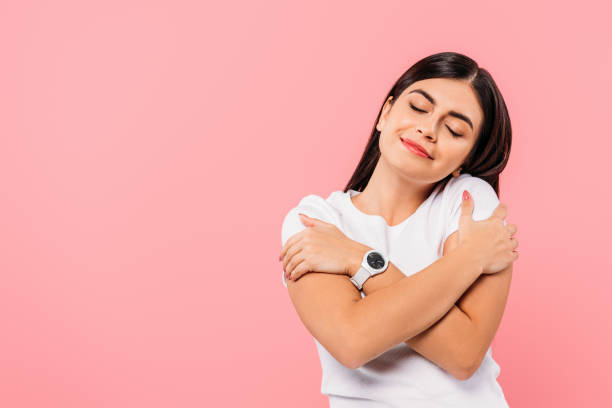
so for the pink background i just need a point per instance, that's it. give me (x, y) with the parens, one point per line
(150, 150)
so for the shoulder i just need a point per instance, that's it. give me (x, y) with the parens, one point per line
(317, 207)
(484, 196)
(456, 185)
(313, 206)
(313, 202)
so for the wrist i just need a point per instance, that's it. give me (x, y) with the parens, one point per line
(471, 256)
(356, 257)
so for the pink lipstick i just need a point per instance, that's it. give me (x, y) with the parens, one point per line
(415, 148)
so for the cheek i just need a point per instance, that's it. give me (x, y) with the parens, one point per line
(385, 139)
(453, 152)
(390, 144)
(458, 153)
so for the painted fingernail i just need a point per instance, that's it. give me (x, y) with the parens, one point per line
(466, 195)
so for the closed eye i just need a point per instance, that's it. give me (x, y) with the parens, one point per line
(416, 109)
(454, 134)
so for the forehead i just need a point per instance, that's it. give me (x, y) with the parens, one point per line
(448, 94)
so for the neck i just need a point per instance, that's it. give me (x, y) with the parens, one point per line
(392, 197)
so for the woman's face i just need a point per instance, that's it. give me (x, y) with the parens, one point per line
(427, 113)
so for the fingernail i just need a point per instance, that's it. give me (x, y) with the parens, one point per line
(303, 215)
(466, 195)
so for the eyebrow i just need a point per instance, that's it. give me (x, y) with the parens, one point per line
(452, 113)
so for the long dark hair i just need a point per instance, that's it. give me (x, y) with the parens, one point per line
(491, 150)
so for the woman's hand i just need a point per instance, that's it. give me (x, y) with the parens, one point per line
(490, 239)
(321, 247)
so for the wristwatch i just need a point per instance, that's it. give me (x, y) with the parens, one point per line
(373, 263)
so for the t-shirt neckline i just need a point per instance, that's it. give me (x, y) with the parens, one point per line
(350, 193)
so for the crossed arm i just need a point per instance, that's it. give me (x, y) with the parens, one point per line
(458, 341)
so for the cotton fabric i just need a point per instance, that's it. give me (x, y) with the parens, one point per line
(400, 377)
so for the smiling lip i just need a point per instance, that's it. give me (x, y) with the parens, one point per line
(415, 148)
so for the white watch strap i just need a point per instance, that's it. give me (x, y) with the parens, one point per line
(360, 277)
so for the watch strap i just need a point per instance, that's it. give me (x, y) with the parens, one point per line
(360, 277)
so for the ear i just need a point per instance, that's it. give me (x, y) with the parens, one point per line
(383, 115)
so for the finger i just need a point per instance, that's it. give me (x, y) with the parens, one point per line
(312, 221)
(514, 243)
(306, 220)
(299, 270)
(295, 249)
(291, 241)
(467, 206)
(293, 264)
(511, 229)
(500, 212)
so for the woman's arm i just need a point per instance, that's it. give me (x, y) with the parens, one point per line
(458, 342)
(335, 314)
(355, 330)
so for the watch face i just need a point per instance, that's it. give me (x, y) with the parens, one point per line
(375, 260)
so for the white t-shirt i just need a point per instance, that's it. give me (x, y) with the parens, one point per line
(400, 377)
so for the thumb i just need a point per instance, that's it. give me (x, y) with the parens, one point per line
(309, 222)
(467, 207)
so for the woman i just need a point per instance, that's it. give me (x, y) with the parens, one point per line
(402, 278)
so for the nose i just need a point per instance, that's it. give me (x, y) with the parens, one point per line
(425, 129)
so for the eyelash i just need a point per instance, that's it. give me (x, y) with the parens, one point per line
(449, 129)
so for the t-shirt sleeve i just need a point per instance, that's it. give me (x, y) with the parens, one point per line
(484, 197)
(313, 206)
